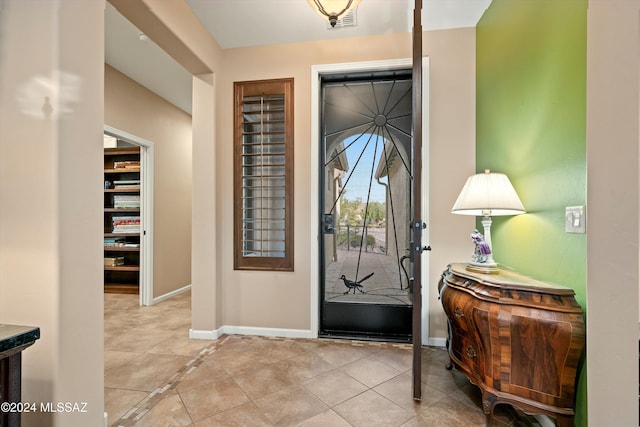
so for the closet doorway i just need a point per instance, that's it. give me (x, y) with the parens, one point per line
(128, 214)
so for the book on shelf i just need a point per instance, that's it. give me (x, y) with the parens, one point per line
(113, 261)
(125, 224)
(126, 219)
(115, 241)
(129, 201)
(126, 184)
(126, 229)
(127, 164)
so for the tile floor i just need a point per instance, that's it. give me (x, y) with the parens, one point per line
(156, 376)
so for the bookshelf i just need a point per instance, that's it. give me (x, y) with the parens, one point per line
(122, 220)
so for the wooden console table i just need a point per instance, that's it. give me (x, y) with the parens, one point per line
(13, 339)
(518, 339)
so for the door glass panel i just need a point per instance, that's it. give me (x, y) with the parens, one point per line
(367, 181)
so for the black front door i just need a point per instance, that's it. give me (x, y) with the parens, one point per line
(366, 205)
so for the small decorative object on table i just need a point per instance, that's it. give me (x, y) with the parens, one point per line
(482, 251)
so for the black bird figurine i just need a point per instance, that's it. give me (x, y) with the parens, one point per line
(352, 284)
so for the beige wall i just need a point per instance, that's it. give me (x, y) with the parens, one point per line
(205, 311)
(132, 108)
(613, 76)
(51, 107)
(282, 300)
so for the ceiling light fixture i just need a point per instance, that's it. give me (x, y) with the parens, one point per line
(333, 9)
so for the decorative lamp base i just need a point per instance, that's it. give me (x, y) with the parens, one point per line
(484, 268)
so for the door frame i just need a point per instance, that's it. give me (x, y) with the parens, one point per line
(316, 72)
(146, 210)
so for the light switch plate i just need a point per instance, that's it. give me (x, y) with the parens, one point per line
(575, 219)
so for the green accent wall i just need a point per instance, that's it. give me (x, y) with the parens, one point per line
(531, 125)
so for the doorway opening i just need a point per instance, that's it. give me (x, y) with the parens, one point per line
(365, 207)
(133, 242)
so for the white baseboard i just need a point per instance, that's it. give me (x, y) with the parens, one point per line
(171, 294)
(196, 334)
(272, 332)
(268, 332)
(247, 330)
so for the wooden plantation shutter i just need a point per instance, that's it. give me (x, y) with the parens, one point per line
(263, 175)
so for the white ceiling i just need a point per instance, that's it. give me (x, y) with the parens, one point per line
(242, 23)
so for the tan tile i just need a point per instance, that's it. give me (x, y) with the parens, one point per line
(197, 376)
(434, 361)
(136, 340)
(334, 387)
(114, 333)
(343, 353)
(180, 343)
(277, 350)
(327, 418)
(371, 409)
(305, 366)
(413, 422)
(370, 371)
(116, 359)
(447, 383)
(235, 356)
(396, 357)
(210, 399)
(290, 406)
(180, 319)
(245, 415)
(262, 380)
(399, 391)
(169, 412)
(468, 394)
(120, 301)
(310, 345)
(118, 402)
(451, 413)
(146, 372)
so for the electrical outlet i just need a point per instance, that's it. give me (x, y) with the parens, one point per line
(575, 219)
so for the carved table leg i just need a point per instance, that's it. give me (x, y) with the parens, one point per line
(449, 366)
(488, 404)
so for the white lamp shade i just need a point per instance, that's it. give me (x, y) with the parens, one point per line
(336, 8)
(488, 194)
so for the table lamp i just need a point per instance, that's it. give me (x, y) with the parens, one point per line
(486, 194)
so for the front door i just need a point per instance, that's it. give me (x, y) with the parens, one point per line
(366, 123)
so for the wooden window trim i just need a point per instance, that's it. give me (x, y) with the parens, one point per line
(252, 89)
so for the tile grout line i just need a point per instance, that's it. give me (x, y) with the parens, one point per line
(155, 396)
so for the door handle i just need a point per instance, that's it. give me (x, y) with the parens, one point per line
(327, 223)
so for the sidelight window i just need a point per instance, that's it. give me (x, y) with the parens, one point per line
(263, 175)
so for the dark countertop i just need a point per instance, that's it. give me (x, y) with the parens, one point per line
(12, 336)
